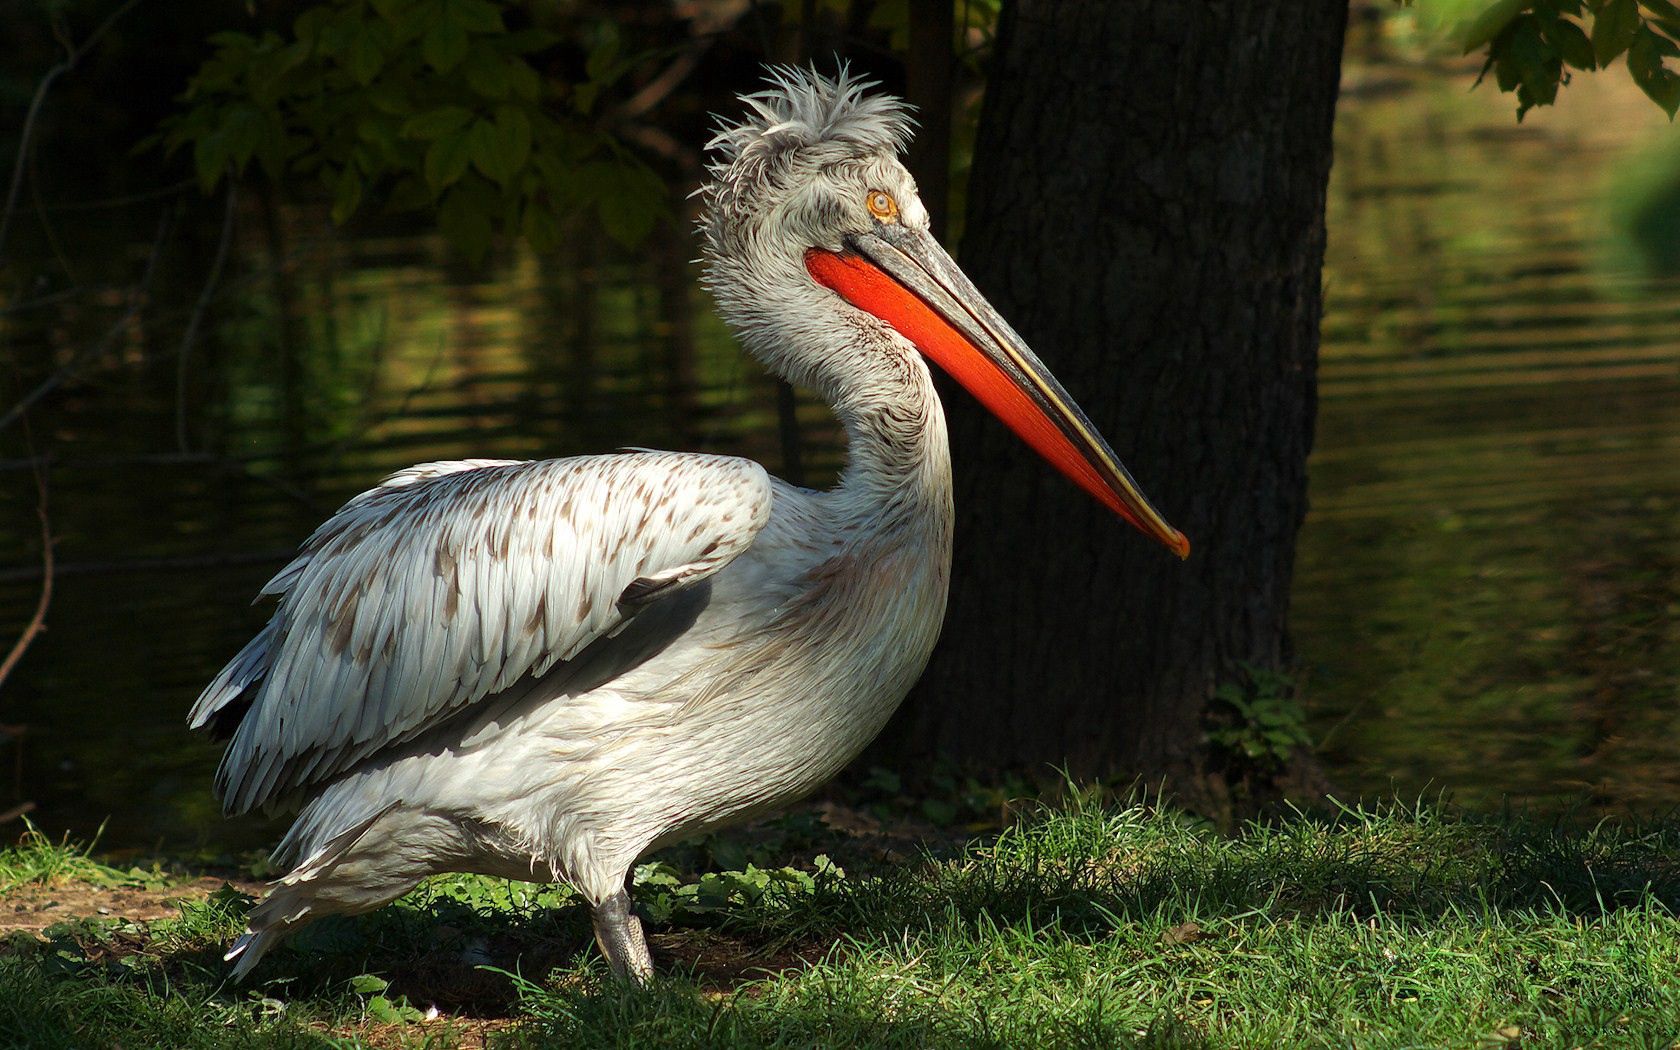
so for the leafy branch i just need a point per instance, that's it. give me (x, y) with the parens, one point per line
(432, 106)
(1532, 45)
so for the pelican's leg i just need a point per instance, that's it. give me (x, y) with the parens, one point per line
(619, 933)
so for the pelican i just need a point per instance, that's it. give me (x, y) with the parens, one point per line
(544, 670)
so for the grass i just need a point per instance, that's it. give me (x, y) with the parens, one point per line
(36, 859)
(1084, 924)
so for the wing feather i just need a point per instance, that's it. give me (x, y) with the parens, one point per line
(451, 582)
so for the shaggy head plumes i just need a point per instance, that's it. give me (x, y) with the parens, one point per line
(802, 125)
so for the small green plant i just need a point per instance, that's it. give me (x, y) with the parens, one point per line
(718, 895)
(946, 796)
(1259, 718)
(380, 1004)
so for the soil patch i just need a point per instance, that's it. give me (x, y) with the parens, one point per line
(33, 908)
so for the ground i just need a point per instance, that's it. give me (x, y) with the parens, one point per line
(1085, 921)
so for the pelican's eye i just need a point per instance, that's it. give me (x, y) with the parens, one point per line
(882, 206)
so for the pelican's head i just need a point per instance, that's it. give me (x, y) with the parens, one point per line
(812, 224)
(804, 168)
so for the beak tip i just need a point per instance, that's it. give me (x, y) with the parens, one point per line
(1180, 545)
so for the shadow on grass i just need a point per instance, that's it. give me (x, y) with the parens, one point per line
(1079, 875)
(1090, 870)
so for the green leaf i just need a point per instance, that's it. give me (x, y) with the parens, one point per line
(474, 16)
(269, 65)
(233, 40)
(713, 891)
(1479, 31)
(347, 194)
(1644, 61)
(366, 53)
(308, 25)
(391, 97)
(628, 210)
(436, 123)
(487, 72)
(598, 66)
(275, 147)
(526, 41)
(444, 45)
(368, 984)
(465, 223)
(1614, 28)
(513, 139)
(485, 151)
(243, 130)
(1524, 64)
(408, 20)
(210, 160)
(386, 1011)
(447, 158)
(523, 82)
(1663, 45)
(937, 811)
(1570, 42)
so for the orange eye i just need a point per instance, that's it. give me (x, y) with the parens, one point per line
(882, 205)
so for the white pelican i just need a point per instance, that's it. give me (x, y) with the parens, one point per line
(543, 670)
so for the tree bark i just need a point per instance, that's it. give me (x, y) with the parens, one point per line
(928, 86)
(1147, 208)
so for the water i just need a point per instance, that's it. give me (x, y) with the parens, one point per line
(1488, 599)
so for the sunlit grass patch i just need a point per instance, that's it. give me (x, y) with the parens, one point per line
(1085, 923)
(36, 859)
(1119, 927)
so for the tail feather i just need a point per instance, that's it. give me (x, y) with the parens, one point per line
(300, 896)
(246, 952)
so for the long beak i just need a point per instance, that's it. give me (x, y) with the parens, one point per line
(905, 278)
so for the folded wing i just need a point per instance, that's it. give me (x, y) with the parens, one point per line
(451, 582)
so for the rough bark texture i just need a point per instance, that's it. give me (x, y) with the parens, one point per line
(1147, 207)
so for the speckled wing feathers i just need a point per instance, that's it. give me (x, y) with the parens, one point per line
(451, 582)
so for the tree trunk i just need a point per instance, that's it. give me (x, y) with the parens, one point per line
(928, 76)
(1147, 208)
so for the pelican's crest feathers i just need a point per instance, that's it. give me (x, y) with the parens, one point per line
(805, 108)
(802, 122)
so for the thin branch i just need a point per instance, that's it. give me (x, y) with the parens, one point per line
(160, 564)
(669, 79)
(660, 143)
(50, 298)
(122, 462)
(137, 300)
(184, 355)
(230, 464)
(72, 56)
(45, 221)
(709, 23)
(130, 198)
(38, 622)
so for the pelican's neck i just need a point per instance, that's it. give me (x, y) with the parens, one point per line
(898, 462)
(898, 458)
